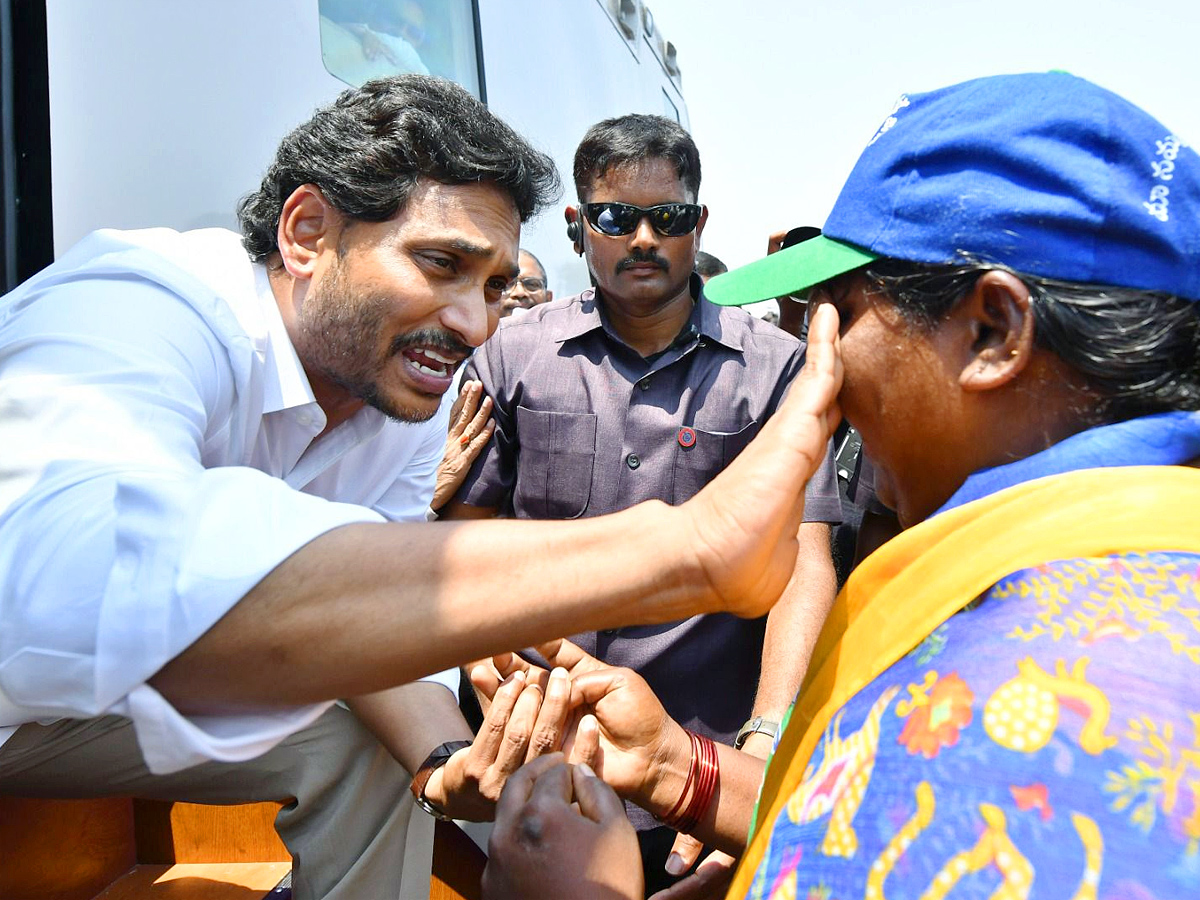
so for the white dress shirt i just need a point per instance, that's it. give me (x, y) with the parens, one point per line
(158, 457)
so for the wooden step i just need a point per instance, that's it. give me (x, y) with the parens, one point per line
(197, 881)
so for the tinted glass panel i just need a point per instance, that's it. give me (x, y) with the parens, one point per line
(365, 39)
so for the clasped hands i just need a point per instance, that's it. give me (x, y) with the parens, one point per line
(560, 827)
(532, 711)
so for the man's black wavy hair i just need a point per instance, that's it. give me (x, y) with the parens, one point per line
(368, 149)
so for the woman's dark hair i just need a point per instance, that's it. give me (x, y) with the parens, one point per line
(367, 150)
(633, 139)
(1139, 351)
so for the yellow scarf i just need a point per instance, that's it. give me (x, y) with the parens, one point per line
(916, 581)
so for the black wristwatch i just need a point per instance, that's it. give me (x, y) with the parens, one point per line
(439, 757)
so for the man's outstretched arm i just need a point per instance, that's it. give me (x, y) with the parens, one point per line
(411, 599)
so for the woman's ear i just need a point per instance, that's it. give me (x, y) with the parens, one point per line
(996, 318)
(306, 221)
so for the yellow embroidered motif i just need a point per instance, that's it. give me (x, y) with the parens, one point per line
(838, 784)
(1022, 713)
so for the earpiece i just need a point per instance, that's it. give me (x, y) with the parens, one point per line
(575, 232)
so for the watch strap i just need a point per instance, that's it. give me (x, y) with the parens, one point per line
(437, 758)
(757, 725)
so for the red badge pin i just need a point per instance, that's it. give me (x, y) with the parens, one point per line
(687, 437)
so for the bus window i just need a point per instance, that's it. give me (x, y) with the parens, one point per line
(365, 39)
(670, 110)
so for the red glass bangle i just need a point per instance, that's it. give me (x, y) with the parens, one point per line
(669, 818)
(702, 780)
(707, 778)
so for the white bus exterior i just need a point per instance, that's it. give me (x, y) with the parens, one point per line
(166, 112)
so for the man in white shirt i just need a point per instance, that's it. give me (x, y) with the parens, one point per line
(201, 450)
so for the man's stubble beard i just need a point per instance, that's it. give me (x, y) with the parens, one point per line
(337, 336)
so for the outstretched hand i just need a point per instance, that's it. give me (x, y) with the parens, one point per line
(742, 526)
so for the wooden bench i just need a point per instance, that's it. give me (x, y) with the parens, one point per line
(124, 849)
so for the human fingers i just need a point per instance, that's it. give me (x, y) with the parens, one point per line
(684, 852)
(473, 442)
(478, 422)
(458, 414)
(518, 788)
(813, 392)
(491, 733)
(597, 801)
(708, 882)
(585, 748)
(551, 720)
(506, 663)
(485, 683)
(465, 407)
(570, 656)
(745, 521)
(775, 241)
(510, 752)
(590, 688)
(553, 787)
(492, 671)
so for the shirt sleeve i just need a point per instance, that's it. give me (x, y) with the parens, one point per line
(493, 477)
(822, 501)
(118, 547)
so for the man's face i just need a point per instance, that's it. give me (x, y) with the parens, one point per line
(643, 270)
(396, 306)
(528, 289)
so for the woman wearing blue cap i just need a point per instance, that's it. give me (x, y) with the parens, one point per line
(1002, 702)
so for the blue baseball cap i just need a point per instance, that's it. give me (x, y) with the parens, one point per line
(1045, 173)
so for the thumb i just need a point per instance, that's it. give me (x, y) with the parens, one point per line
(684, 853)
(597, 801)
(586, 748)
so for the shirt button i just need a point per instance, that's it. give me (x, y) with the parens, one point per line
(632, 461)
(644, 384)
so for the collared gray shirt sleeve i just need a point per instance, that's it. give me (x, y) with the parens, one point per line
(822, 502)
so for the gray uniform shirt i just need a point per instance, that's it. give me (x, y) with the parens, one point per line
(586, 426)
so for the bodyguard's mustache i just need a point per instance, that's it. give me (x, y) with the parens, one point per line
(642, 259)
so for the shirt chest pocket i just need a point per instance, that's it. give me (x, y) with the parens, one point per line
(709, 452)
(554, 468)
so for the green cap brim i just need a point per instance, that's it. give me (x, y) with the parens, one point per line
(789, 271)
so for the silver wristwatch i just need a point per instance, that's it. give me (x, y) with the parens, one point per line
(757, 725)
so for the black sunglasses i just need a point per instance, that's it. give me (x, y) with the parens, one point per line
(668, 219)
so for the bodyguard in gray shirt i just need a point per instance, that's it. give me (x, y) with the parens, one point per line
(640, 389)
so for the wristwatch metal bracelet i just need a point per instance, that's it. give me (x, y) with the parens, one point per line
(757, 725)
(439, 757)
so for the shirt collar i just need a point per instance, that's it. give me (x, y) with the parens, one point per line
(286, 384)
(1165, 439)
(707, 319)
